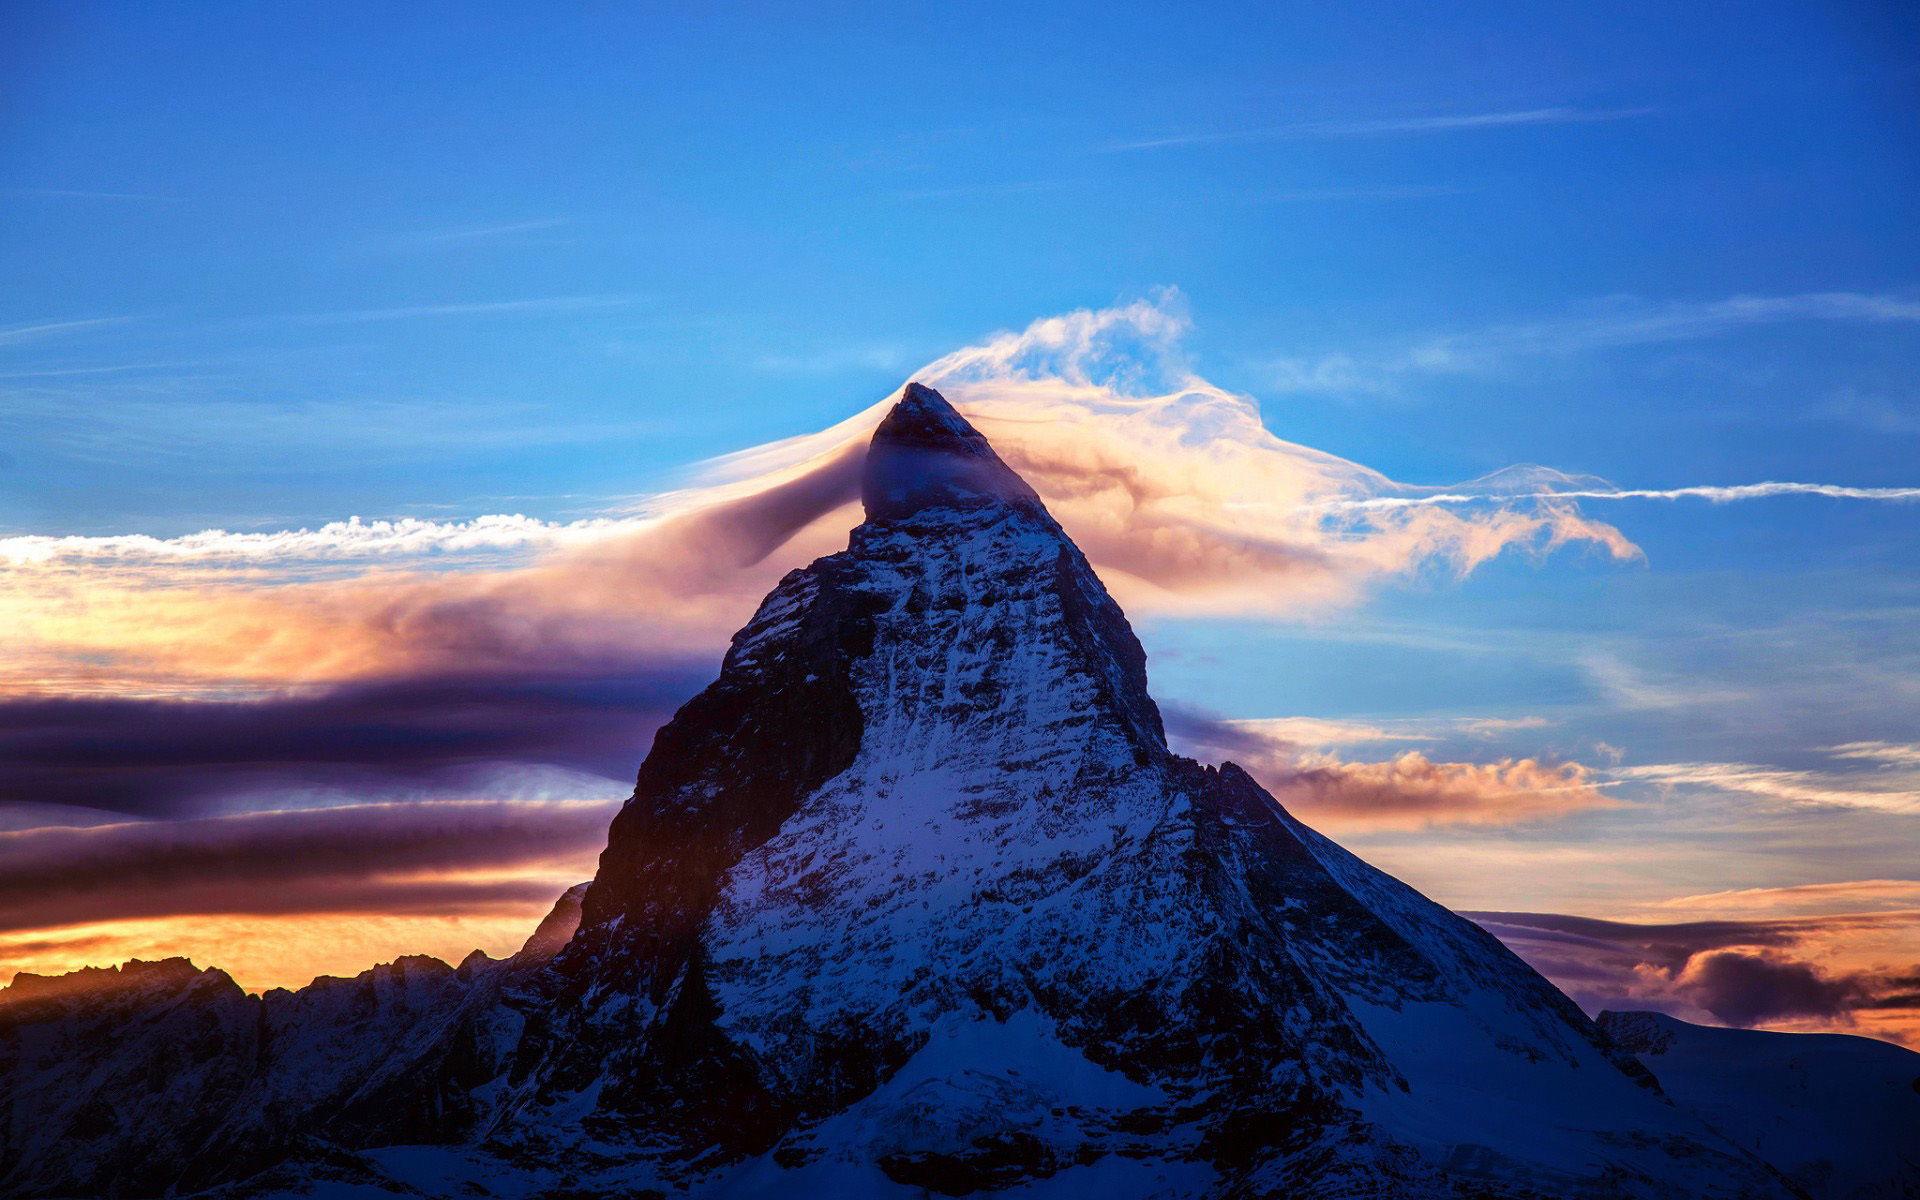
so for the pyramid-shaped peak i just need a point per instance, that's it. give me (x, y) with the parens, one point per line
(925, 455)
(922, 417)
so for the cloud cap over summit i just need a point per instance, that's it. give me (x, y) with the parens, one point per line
(924, 454)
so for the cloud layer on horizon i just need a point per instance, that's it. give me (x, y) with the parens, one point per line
(1743, 972)
(154, 758)
(439, 857)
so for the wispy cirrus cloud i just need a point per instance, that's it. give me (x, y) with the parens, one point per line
(1440, 123)
(484, 233)
(480, 308)
(102, 369)
(963, 191)
(190, 412)
(1617, 323)
(1390, 191)
(833, 360)
(15, 335)
(1845, 895)
(1630, 324)
(1889, 755)
(1893, 791)
(49, 193)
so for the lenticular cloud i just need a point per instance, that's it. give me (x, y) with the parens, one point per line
(1172, 485)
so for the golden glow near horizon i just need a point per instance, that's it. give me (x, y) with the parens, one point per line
(265, 952)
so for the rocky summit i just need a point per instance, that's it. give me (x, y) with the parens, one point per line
(912, 899)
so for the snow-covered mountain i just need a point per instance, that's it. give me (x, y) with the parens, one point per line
(913, 898)
(1838, 1115)
(156, 1076)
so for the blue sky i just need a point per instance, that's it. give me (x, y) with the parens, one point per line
(724, 227)
(269, 267)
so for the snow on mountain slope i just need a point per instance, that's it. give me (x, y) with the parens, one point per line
(914, 898)
(1838, 1115)
(930, 787)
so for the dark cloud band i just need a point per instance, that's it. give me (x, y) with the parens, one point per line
(162, 757)
(411, 857)
(1734, 972)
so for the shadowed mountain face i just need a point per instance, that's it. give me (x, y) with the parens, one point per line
(1838, 1115)
(913, 896)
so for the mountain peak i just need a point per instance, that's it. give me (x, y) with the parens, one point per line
(913, 896)
(924, 413)
(925, 455)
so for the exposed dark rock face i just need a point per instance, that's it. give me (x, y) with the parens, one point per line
(912, 897)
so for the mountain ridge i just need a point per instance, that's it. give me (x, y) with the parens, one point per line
(914, 896)
(1837, 1114)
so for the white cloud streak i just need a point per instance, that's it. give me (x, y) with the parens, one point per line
(14, 335)
(1715, 493)
(1887, 754)
(349, 539)
(1622, 323)
(1894, 793)
(834, 360)
(1019, 187)
(476, 309)
(85, 194)
(1385, 127)
(495, 232)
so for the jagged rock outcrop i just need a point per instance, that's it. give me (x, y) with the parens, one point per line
(914, 897)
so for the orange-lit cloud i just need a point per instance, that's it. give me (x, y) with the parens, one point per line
(1407, 791)
(145, 625)
(1855, 971)
(1178, 492)
(1808, 898)
(1410, 790)
(1173, 486)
